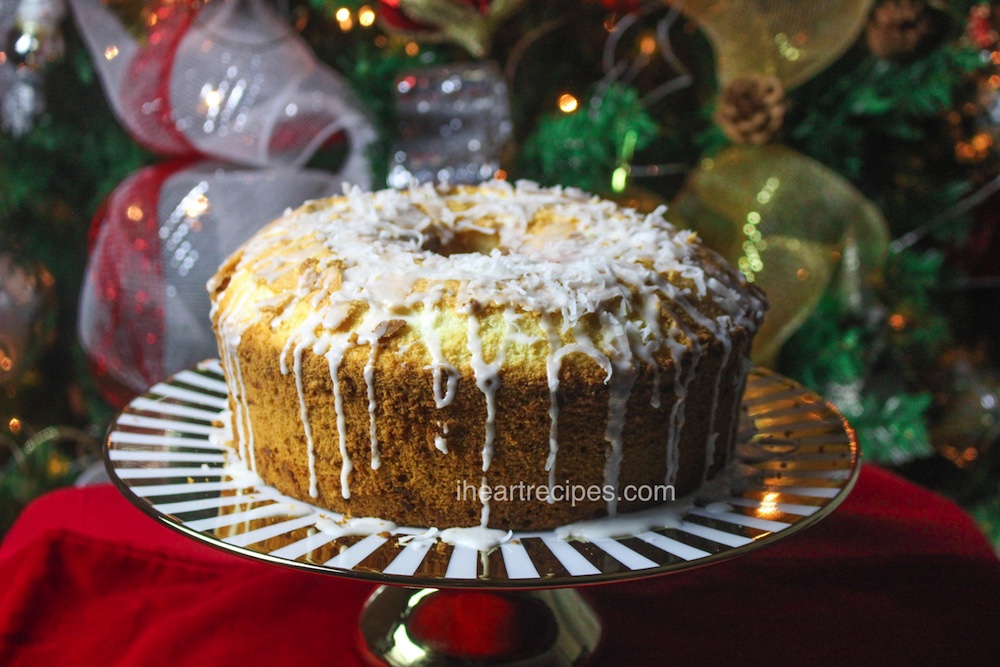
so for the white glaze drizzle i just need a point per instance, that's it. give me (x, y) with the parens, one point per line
(440, 441)
(369, 374)
(683, 383)
(484, 513)
(334, 356)
(234, 380)
(443, 394)
(479, 538)
(344, 526)
(487, 377)
(552, 364)
(611, 262)
(651, 317)
(620, 382)
(306, 425)
(713, 433)
(251, 446)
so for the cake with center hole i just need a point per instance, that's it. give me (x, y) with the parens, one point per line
(502, 355)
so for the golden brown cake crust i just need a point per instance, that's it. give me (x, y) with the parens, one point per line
(390, 404)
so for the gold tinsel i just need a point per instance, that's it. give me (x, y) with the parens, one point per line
(751, 109)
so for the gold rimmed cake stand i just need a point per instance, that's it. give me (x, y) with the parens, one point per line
(444, 604)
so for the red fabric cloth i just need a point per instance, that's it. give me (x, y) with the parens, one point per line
(896, 575)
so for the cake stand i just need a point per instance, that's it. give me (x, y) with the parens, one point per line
(515, 604)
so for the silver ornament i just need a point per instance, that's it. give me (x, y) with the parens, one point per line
(453, 123)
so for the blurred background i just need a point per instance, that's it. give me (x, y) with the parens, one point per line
(842, 154)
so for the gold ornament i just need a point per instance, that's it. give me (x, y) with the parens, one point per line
(789, 39)
(789, 224)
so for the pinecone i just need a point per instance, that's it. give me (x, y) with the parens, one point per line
(752, 109)
(902, 29)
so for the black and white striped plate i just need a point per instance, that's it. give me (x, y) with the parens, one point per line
(798, 456)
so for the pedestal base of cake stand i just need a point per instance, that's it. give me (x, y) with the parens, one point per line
(421, 627)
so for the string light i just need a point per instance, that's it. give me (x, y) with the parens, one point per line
(974, 150)
(619, 177)
(14, 425)
(568, 103)
(412, 49)
(647, 45)
(343, 17)
(366, 16)
(57, 466)
(213, 98)
(196, 206)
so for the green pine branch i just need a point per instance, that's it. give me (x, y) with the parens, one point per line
(582, 148)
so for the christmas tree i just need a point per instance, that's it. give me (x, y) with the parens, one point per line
(841, 154)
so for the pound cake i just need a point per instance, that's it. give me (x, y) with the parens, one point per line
(500, 355)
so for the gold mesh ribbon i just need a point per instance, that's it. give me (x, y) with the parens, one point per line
(789, 224)
(789, 39)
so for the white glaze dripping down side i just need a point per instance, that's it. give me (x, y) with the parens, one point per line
(484, 512)
(487, 377)
(334, 356)
(445, 375)
(231, 327)
(713, 434)
(620, 383)
(552, 365)
(306, 425)
(369, 374)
